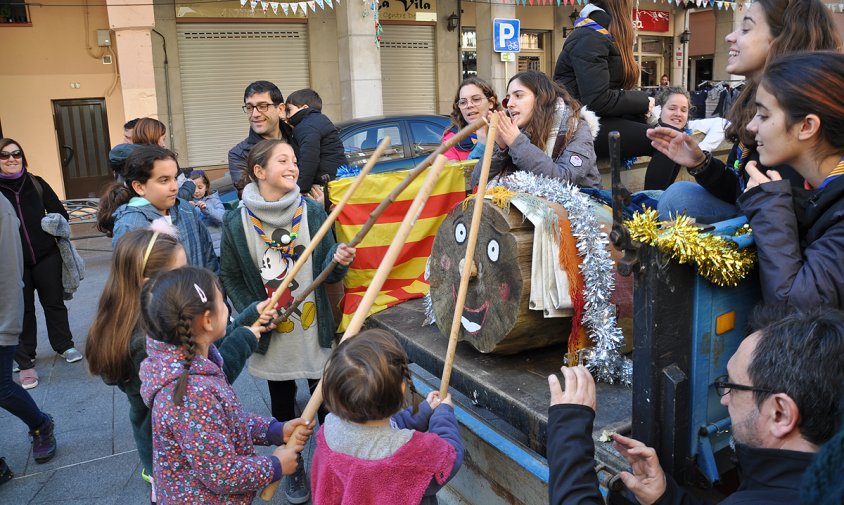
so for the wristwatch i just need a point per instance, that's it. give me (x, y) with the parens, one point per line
(697, 170)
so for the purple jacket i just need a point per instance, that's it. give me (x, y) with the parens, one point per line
(203, 449)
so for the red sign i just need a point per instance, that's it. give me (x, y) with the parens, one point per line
(651, 21)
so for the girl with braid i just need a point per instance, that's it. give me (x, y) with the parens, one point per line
(116, 341)
(369, 450)
(203, 442)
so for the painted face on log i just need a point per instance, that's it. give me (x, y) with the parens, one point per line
(495, 285)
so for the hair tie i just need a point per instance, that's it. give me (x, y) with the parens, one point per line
(148, 251)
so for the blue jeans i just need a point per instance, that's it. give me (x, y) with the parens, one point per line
(13, 397)
(696, 202)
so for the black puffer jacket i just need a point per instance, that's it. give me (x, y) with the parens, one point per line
(590, 68)
(319, 150)
(30, 208)
(799, 240)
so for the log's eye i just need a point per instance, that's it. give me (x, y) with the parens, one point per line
(492, 250)
(460, 233)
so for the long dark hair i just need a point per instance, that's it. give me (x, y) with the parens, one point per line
(802, 83)
(118, 314)
(621, 29)
(138, 167)
(544, 110)
(7, 141)
(457, 120)
(362, 380)
(170, 302)
(796, 26)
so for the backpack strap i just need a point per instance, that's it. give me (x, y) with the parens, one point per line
(38, 187)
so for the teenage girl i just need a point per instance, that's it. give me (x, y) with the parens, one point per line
(544, 131)
(261, 241)
(674, 104)
(149, 192)
(799, 232)
(208, 207)
(475, 99)
(368, 451)
(770, 28)
(203, 442)
(116, 345)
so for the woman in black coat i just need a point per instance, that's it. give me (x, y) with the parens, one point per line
(32, 198)
(597, 68)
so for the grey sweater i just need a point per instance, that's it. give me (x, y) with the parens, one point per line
(11, 282)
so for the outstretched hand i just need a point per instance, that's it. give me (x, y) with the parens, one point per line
(678, 146)
(580, 387)
(647, 481)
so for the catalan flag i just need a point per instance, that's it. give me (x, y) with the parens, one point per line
(406, 280)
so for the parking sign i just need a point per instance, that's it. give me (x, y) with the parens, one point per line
(505, 35)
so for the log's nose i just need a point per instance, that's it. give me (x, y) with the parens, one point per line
(472, 273)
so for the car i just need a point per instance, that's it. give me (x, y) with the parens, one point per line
(412, 138)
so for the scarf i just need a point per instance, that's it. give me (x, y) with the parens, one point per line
(466, 144)
(273, 215)
(585, 21)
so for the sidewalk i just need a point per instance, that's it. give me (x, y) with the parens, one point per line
(96, 462)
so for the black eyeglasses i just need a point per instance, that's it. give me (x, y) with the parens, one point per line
(262, 107)
(722, 387)
(14, 154)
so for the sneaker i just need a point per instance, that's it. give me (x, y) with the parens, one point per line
(296, 487)
(43, 440)
(147, 477)
(29, 378)
(72, 355)
(5, 472)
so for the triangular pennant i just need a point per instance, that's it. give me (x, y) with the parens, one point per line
(253, 4)
(286, 8)
(321, 4)
(312, 5)
(274, 7)
(295, 7)
(242, 2)
(264, 6)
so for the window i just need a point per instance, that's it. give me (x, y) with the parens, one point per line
(468, 52)
(13, 12)
(425, 137)
(360, 145)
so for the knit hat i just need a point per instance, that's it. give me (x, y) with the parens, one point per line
(117, 156)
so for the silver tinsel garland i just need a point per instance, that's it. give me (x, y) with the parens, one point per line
(603, 359)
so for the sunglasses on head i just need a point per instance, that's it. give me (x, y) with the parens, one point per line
(13, 154)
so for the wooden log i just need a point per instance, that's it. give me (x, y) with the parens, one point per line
(496, 316)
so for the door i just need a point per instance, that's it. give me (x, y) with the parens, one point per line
(82, 130)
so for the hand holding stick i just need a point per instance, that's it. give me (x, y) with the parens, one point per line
(469, 259)
(326, 227)
(374, 288)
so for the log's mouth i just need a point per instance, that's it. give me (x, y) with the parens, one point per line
(472, 320)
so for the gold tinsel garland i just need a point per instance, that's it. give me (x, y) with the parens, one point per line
(718, 260)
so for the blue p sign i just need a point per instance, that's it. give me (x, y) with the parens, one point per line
(505, 35)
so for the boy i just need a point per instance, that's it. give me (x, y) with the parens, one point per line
(316, 141)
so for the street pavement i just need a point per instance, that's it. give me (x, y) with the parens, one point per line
(96, 462)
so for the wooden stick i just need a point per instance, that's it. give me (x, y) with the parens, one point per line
(377, 211)
(469, 259)
(325, 228)
(372, 291)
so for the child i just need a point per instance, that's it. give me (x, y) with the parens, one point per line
(208, 207)
(261, 241)
(363, 455)
(315, 139)
(799, 233)
(116, 346)
(150, 192)
(202, 440)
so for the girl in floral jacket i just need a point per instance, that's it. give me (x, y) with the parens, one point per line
(203, 442)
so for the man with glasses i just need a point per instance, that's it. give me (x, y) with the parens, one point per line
(783, 390)
(263, 105)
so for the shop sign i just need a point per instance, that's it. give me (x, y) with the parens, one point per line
(651, 21)
(408, 10)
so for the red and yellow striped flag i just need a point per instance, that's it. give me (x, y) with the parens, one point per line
(406, 280)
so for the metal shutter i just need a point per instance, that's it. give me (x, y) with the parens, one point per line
(217, 62)
(408, 70)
